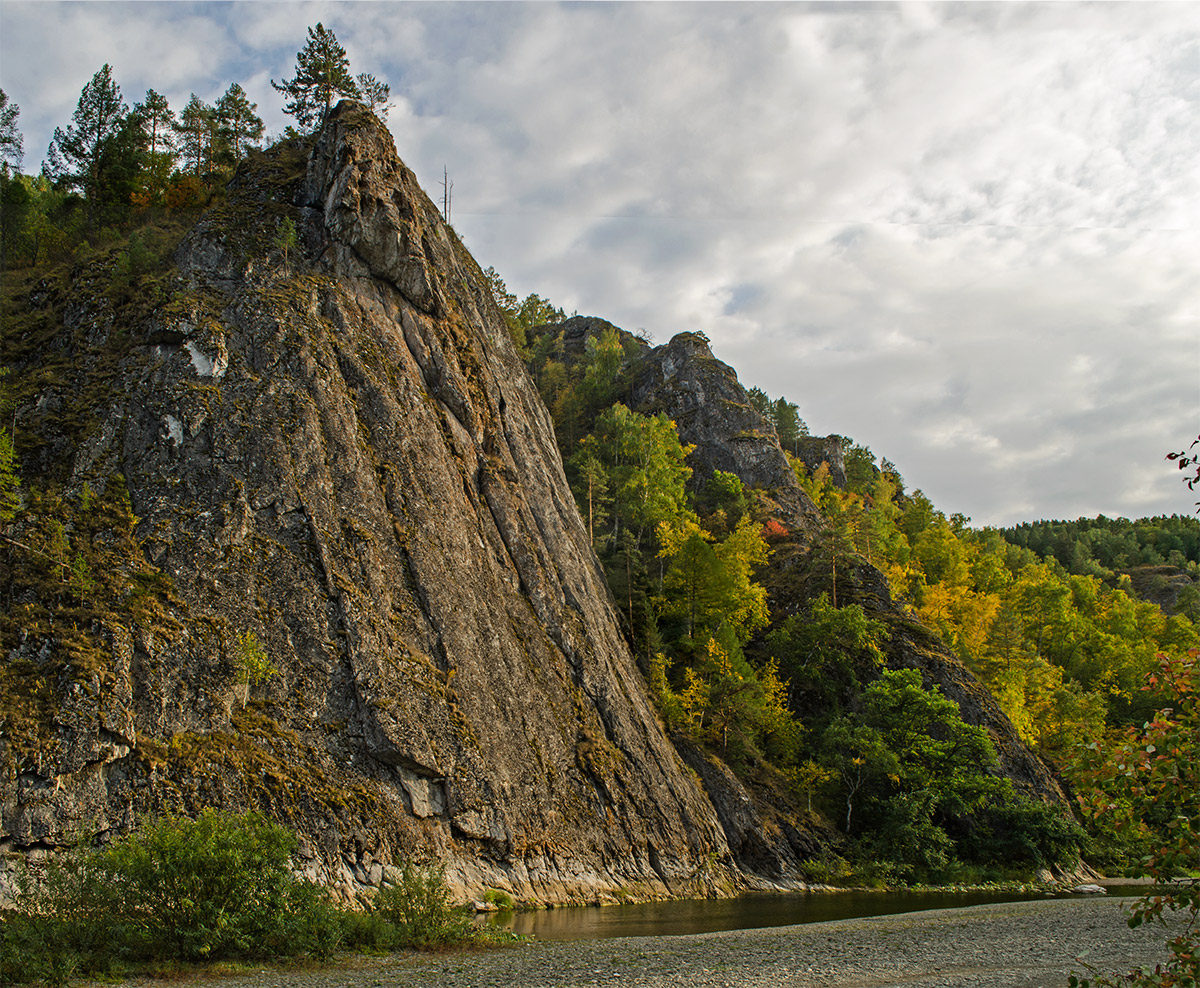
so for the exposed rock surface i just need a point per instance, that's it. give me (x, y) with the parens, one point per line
(813, 451)
(346, 457)
(712, 412)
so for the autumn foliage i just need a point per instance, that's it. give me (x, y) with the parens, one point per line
(1148, 781)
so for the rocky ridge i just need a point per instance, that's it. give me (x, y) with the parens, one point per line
(345, 457)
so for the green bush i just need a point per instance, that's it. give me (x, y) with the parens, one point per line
(1022, 834)
(498, 898)
(418, 905)
(213, 888)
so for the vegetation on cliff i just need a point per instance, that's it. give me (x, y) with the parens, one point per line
(321, 396)
(805, 697)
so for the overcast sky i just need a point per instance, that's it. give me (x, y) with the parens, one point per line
(967, 236)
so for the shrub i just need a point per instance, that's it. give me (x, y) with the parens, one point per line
(418, 905)
(209, 889)
(500, 899)
(1022, 834)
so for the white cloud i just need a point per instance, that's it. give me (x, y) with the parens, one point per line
(964, 234)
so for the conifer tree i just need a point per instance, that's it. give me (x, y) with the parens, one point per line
(12, 144)
(196, 129)
(76, 157)
(238, 125)
(158, 121)
(322, 72)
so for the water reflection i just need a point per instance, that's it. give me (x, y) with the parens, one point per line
(749, 912)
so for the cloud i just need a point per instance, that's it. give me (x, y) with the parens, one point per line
(963, 234)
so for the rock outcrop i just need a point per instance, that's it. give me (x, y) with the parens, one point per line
(343, 457)
(315, 554)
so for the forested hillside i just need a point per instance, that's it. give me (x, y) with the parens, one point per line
(1159, 556)
(695, 562)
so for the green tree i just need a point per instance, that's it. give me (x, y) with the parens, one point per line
(238, 126)
(286, 239)
(157, 119)
(12, 144)
(322, 73)
(646, 469)
(760, 402)
(79, 157)
(250, 660)
(788, 424)
(826, 654)
(605, 356)
(591, 486)
(15, 208)
(197, 130)
(375, 93)
(913, 767)
(158, 123)
(860, 467)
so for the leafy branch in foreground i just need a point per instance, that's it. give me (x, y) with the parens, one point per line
(1149, 781)
(1187, 460)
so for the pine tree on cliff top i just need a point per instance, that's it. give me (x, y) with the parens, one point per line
(322, 72)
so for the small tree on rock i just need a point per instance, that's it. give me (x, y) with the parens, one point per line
(375, 93)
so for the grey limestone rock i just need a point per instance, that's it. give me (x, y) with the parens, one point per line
(345, 456)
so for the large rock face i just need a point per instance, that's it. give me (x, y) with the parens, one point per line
(345, 457)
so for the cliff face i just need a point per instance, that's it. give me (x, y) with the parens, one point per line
(344, 456)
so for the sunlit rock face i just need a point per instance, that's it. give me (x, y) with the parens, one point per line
(343, 455)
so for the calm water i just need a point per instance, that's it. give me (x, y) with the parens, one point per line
(749, 912)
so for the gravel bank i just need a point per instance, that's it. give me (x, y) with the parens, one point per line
(1010, 945)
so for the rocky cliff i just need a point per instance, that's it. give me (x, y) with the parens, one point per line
(344, 579)
(297, 537)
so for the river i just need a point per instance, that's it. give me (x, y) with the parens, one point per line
(748, 912)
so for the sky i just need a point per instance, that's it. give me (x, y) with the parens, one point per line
(966, 235)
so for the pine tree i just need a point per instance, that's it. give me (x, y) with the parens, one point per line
(376, 94)
(196, 129)
(12, 144)
(322, 72)
(76, 157)
(238, 125)
(157, 121)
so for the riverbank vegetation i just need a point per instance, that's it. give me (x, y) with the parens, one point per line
(215, 889)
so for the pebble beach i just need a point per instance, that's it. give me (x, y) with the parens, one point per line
(1009, 945)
